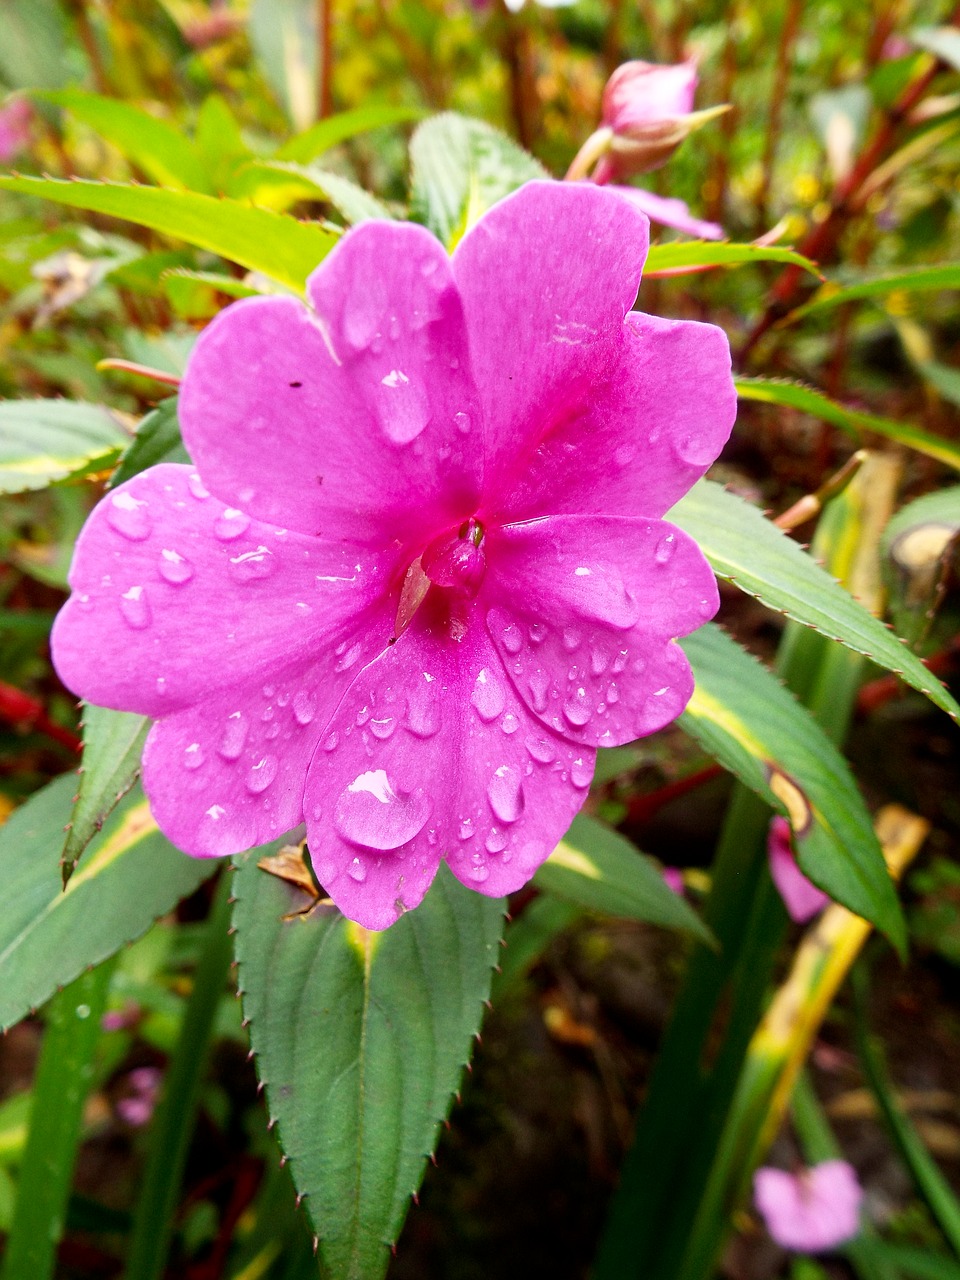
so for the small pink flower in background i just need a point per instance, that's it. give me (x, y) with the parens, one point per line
(420, 572)
(15, 116)
(801, 898)
(643, 93)
(812, 1211)
(140, 1103)
(674, 879)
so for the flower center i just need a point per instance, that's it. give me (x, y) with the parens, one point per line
(454, 562)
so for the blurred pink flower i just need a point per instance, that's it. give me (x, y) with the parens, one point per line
(421, 571)
(670, 212)
(15, 116)
(812, 1211)
(674, 879)
(139, 1105)
(801, 898)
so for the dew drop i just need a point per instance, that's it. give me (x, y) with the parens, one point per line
(423, 710)
(467, 831)
(512, 639)
(269, 690)
(383, 728)
(197, 487)
(252, 566)
(403, 405)
(346, 656)
(539, 686)
(538, 633)
(665, 548)
(542, 750)
(193, 756)
(599, 661)
(581, 774)
(332, 741)
(234, 736)
(613, 693)
(304, 706)
(479, 870)
(273, 732)
(370, 812)
(231, 524)
(505, 793)
(136, 608)
(175, 568)
(577, 709)
(221, 832)
(357, 871)
(496, 841)
(127, 515)
(620, 661)
(571, 639)
(509, 723)
(487, 696)
(262, 774)
(161, 685)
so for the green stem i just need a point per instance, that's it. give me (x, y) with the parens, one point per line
(173, 1125)
(63, 1079)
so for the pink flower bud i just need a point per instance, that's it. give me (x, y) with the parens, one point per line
(643, 93)
(15, 118)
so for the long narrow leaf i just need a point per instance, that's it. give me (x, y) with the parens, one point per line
(328, 133)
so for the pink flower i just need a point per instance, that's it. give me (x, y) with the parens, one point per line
(420, 572)
(674, 879)
(670, 212)
(14, 128)
(801, 898)
(139, 1105)
(813, 1211)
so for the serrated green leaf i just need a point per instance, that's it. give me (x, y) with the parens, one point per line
(835, 293)
(460, 168)
(794, 395)
(158, 148)
(329, 133)
(360, 1040)
(310, 181)
(754, 727)
(112, 744)
(158, 439)
(273, 243)
(130, 876)
(43, 441)
(600, 870)
(750, 551)
(685, 254)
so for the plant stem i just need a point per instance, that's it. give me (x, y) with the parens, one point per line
(60, 1090)
(174, 1121)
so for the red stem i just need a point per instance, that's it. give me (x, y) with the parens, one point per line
(18, 708)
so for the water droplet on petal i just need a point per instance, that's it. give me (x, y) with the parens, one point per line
(620, 661)
(539, 686)
(357, 871)
(665, 548)
(505, 793)
(193, 756)
(197, 487)
(403, 407)
(175, 568)
(542, 750)
(423, 710)
(332, 741)
(613, 693)
(496, 841)
(581, 773)
(135, 608)
(487, 696)
(599, 660)
(234, 736)
(463, 422)
(571, 639)
(128, 516)
(348, 656)
(371, 813)
(509, 723)
(577, 709)
(304, 706)
(538, 633)
(262, 774)
(252, 566)
(512, 639)
(231, 524)
(222, 831)
(467, 831)
(479, 870)
(383, 728)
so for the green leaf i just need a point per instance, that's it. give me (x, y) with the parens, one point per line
(112, 744)
(680, 254)
(285, 38)
(794, 395)
(461, 168)
(746, 549)
(157, 440)
(835, 293)
(600, 870)
(194, 294)
(329, 133)
(754, 727)
(919, 552)
(130, 876)
(42, 441)
(360, 1039)
(33, 47)
(273, 243)
(158, 148)
(943, 42)
(310, 181)
(944, 377)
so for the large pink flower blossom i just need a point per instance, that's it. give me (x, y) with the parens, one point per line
(420, 573)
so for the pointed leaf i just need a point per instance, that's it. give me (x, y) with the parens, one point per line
(835, 293)
(360, 1039)
(794, 395)
(112, 745)
(130, 876)
(678, 255)
(311, 182)
(42, 441)
(748, 550)
(744, 717)
(279, 246)
(157, 440)
(151, 143)
(329, 133)
(600, 870)
(461, 168)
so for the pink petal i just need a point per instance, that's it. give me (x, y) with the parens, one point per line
(670, 212)
(176, 596)
(546, 278)
(801, 898)
(651, 431)
(583, 613)
(430, 755)
(813, 1211)
(363, 409)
